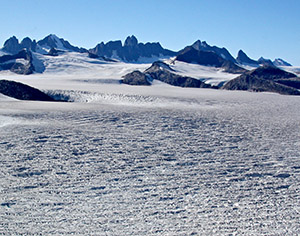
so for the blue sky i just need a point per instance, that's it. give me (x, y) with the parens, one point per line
(268, 28)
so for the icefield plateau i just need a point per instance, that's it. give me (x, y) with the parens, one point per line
(157, 160)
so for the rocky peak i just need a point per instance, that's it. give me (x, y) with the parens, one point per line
(28, 44)
(197, 45)
(131, 41)
(50, 41)
(242, 58)
(281, 62)
(12, 45)
(264, 61)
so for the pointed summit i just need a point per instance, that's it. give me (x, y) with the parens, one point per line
(52, 41)
(242, 58)
(265, 62)
(222, 52)
(12, 45)
(28, 44)
(131, 41)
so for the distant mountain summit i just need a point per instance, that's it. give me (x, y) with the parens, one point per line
(131, 50)
(222, 52)
(266, 79)
(52, 41)
(12, 45)
(281, 62)
(193, 54)
(242, 58)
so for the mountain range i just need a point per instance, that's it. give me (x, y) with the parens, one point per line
(28, 56)
(129, 51)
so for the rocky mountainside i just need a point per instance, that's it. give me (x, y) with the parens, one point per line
(13, 63)
(222, 52)
(162, 72)
(281, 62)
(266, 79)
(131, 50)
(52, 41)
(207, 58)
(242, 58)
(13, 46)
(22, 91)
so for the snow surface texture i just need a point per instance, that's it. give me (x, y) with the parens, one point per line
(159, 160)
(226, 164)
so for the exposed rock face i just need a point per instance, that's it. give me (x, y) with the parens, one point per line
(131, 41)
(232, 68)
(54, 52)
(264, 79)
(131, 50)
(22, 91)
(208, 58)
(162, 72)
(12, 45)
(265, 62)
(281, 62)
(136, 78)
(271, 73)
(28, 44)
(292, 82)
(8, 62)
(242, 58)
(52, 41)
(205, 58)
(222, 52)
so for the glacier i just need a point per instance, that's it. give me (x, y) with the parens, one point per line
(158, 160)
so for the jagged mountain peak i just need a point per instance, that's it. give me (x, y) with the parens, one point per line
(53, 41)
(11, 45)
(131, 50)
(131, 41)
(222, 52)
(242, 58)
(281, 62)
(264, 61)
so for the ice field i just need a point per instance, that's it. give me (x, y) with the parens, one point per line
(157, 160)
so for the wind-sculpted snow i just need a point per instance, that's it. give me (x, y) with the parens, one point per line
(102, 169)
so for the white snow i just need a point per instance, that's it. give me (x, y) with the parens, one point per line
(146, 160)
(2, 53)
(208, 74)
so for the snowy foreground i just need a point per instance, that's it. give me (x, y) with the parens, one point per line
(156, 160)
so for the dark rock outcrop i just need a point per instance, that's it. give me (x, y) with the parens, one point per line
(271, 73)
(12, 45)
(136, 78)
(242, 58)
(8, 62)
(264, 79)
(103, 58)
(208, 58)
(131, 51)
(22, 91)
(292, 82)
(28, 44)
(205, 58)
(54, 52)
(232, 68)
(163, 72)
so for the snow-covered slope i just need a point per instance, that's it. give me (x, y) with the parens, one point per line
(209, 74)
